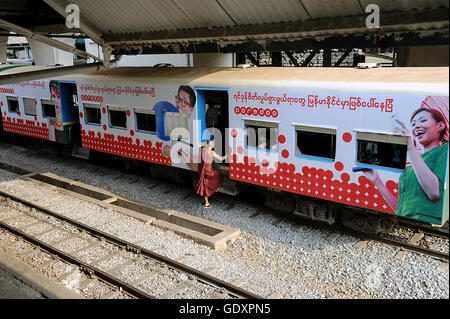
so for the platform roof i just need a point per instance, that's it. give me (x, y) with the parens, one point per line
(179, 26)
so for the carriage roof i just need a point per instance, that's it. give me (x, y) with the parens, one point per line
(424, 80)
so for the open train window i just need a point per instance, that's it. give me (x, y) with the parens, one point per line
(30, 106)
(48, 108)
(382, 150)
(177, 125)
(315, 141)
(261, 135)
(117, 116)
(145, 120)
(13, 104)
(92, 113)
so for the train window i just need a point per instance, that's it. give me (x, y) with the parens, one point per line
(30, 106)
(261, 135)
(177, 125)
(92, 113)
(145, 120)
(117, 116)
(48, 108)
(13, 104)
(382, 150)
(316, 141)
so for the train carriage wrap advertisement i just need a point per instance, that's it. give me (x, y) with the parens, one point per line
(151, 144)
(391, 151)
(19, 119)
(387, 153)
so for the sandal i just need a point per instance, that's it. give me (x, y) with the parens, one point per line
(207, 206)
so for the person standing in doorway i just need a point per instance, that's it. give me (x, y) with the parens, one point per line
(210, 180)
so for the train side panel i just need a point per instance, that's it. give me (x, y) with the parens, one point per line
(354, 119)
(16, 119)
(143, 131)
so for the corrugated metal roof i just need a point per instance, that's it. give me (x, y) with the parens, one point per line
(118, 16)
(146, 22)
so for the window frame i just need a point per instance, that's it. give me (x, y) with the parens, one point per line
(35, 105)
(262, 124)
(44, 101)
(315, 129)
(117, 108)
(185, 138)
(143, 111)
(379, 137)
(92, 106)
(8, 105)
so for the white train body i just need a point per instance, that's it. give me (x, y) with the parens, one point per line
(345, 106)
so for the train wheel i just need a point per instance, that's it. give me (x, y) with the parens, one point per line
(281, 203)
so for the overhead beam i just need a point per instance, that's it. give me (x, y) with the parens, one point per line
(309, 58)
(65, 36)
(390, 22)
(387, 40)
(60, 7)
(343, 57)
(252, 59)
(52, 72)
(292, 58)
(41, 38)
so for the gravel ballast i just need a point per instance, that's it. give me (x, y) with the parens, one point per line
(269, 257)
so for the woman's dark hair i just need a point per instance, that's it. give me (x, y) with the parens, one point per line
(189, 91)
(436, 116)
(52, 83)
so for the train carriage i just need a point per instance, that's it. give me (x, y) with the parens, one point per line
(329, 134)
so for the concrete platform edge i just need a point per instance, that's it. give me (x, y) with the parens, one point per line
(32, 277)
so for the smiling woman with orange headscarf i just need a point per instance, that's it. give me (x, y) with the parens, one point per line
(421, 186)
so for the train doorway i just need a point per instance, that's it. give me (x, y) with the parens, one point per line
(70, 112)
(214, 105)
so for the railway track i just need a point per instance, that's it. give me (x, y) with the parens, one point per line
(409, 244)
(176, 277)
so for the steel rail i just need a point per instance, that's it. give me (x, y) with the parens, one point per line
(84, 266)
(345, 230)
(200, 276)
(348, 231)
(438, 232)
(412, 247)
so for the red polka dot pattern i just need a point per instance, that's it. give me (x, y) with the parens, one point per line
(339, 166)
(256, 111)
(282, 139)
(234, 133)
(347, 137)
(285, 153)
(124, 146)
(313, 182)
(25, 127)
(91, 98)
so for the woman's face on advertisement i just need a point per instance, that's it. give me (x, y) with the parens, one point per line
(182, 102)
(425, 128)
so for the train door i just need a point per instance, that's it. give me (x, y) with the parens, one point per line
(213, 115)
(70, 112)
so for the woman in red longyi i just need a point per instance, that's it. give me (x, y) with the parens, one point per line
(210, 180)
